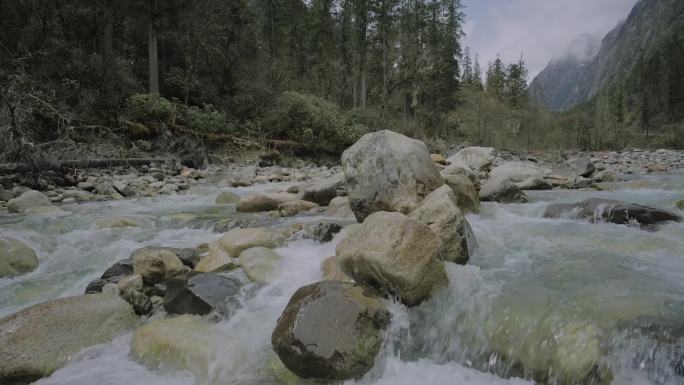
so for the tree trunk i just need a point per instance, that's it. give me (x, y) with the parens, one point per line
(153, 56)
(107, 48)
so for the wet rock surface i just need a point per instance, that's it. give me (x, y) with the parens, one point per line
(395, 254)
(199, 293)
(42, 338)
(596, 209)
(330, 331)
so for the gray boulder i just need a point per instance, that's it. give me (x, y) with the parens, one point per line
(156, 264)
(395, 254)
(322, 192)
(467, 198)
(387, 171)
(16, 258)
(573, 168)
(535, 183)
(199, 293)
(238, 240)
(517, 171)
(263, 201)
(40, 339)
(502, 190)
(330, 331)
(611, 211)
(28, 200)
(440, 212)
(476, 158)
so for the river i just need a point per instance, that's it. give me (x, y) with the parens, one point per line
(543, 294)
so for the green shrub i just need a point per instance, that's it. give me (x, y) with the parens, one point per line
(312, 121)
(149, 107)
(205, 119)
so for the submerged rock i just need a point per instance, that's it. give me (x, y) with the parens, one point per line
(260, 263)
(227, 198)
(120, 222)
(181, 343)
(40, 339)
(501, 190)
(440, 212)
(386, 171)
(395, 254)
(29, 200)
(611, 211)
(199, 293)
(330, 331)
(16, 258)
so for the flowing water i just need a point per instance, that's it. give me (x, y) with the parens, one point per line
(541, 298)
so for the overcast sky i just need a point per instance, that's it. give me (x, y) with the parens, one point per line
(543, 29)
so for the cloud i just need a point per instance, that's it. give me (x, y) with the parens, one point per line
(540, 29)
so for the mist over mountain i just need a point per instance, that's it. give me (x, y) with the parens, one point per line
(586, 69)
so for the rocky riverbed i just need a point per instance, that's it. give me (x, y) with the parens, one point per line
(476, 267)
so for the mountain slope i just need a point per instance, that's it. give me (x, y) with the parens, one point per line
(567, 82)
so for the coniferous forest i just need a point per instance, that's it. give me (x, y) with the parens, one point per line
(319, 72)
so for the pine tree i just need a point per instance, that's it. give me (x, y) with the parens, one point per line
(496, 79)
(468, 76)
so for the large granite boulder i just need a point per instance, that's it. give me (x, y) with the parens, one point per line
(467, 198)
(440, 212)
(330, 331)
(42, 338)
(597, 209)
(460, 169)
(517, 171)
(157, 264)
(236, 241)
(199, 293)
(16, 258)
(476, 158)
(184, 343)
(502, 190)
(386, 171)
(395, 254)
(29, 200)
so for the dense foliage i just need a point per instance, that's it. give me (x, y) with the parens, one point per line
(321, 72)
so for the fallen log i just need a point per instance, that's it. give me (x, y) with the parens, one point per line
(12, 168)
